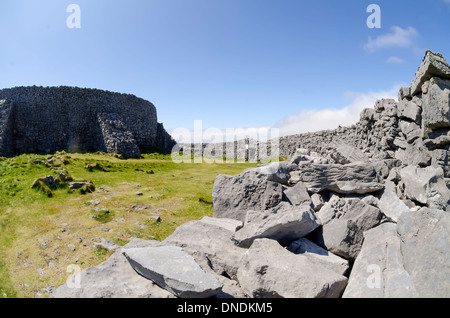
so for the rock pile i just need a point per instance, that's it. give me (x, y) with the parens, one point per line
(348, 222)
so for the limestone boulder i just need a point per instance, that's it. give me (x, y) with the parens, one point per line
(210, 238)
(319, 255)
(283, 223)
(174, 270)
(114, 278)
(436, 104)
(356, 177)
(233, 196)
(426, 186)
(391, 205)
(344, 221)
(378, 270)
(297, 195)
(425, 248)
(270, 271)
(433, 64)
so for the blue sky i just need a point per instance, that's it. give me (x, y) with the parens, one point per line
(299, 65)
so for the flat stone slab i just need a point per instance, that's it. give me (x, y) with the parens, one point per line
(174, 270)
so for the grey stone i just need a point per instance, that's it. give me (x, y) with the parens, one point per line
(345, 153)
(364, 215)
(318, 255)
(171, 268)
(210, 238)
(391, 205)
(317, 201)
(436, 105)
(342, 237)
(433, 64)
(234, 196)
(408, 110)
(352, 178)
(404, 92)
(425, 247)
(297, 195)
(283, 223)
(270, 271)
(275, 171)
(114, 278)
(344, 221)
(426, 186)
(378, 270)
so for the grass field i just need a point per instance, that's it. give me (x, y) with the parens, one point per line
(43, 229)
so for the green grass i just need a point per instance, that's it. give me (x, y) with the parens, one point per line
(40, 235)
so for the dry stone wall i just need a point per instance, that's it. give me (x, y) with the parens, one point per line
(48, 119)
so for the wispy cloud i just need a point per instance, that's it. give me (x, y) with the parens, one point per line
(395, 60)
(302, 122)
(316, 120)
(396, 38)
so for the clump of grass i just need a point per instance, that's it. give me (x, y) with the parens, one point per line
(103, 216)
(95, 166)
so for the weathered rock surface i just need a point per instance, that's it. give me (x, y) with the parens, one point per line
(378, 271)
(174, 270)
(426, 186)
(318, 255)
(352, 178)
(210, 238)
(391, 205)
(425, 248)
(283, 223)
(433, 64)
(114, 278)
(250, 190)
(269, 270)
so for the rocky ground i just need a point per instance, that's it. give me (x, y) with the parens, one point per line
(342, 221)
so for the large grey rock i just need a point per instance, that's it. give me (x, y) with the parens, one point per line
(378, 270)
(173, 269)
(344, 153)
(250, 190)
(436, 104)
(270, 271)
(341, 237)
(344, 221)
(408, 110)
(426, 186)
(297, 195)
(210, 238)
(356, 177)
(391, 205)
(318, 255)
(433, 64)
(425, 247)
(283, 223)
(275, 171)
(364, 215)
(114, 278)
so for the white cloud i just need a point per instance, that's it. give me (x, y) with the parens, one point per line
(397, 38)
(395, 59)
(302, 122)
(316, 120)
